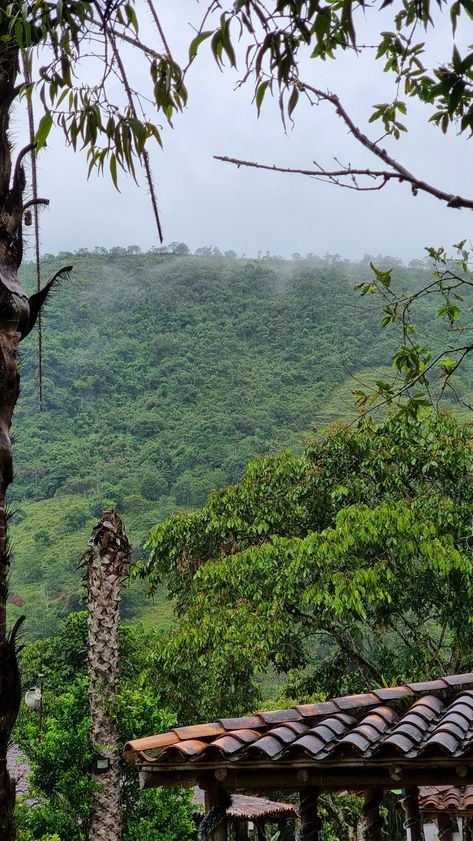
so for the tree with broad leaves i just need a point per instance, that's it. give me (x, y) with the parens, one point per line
(45, 50)
(344, 568)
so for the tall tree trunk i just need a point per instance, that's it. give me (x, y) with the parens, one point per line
(108, 561)
(14, 319)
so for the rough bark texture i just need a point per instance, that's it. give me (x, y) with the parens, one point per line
(14, 314)
(108, 561)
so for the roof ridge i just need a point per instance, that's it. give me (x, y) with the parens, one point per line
(383, 694)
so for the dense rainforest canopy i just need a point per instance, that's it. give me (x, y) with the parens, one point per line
(163, 376)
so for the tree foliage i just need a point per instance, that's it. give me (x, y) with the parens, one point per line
(274, 40)
(60, 753)
(341, 568)
(151, 424)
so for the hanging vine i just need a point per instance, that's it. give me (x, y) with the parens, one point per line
(32, 214)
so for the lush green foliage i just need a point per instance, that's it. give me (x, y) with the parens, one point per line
(283, 32)
(419, 365)
(344, 567)
(163, 376)
(60, 754)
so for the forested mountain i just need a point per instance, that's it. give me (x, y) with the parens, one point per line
(163, 375)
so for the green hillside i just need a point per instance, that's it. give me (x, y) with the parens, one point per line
(163, 376)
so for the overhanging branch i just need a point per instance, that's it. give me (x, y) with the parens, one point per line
(394, 172)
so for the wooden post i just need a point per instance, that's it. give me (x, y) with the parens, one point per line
(217, 798)
(241, 830)
(310, 821)
(413, 822)
(445, 826)
(260, 831)
(469, 829)
(371, 816)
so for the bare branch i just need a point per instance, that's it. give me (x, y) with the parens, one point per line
(33, 202)
(135, 42)
(395, 171)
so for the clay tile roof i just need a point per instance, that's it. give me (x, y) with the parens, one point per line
(446, 798)
(430, 717)
(251, 808)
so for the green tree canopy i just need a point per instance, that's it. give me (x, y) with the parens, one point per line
(345, 567)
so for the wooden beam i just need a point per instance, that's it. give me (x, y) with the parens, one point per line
(373, 822)
(254, 780)
(310, 821)
(413, 822)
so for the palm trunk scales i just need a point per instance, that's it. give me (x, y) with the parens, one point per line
(108, 561)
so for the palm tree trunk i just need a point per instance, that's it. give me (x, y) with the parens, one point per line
(108, 561)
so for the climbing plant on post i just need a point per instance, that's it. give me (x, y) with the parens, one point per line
(108, 562)
(46, 48)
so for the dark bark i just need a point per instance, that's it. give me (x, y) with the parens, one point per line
(13, 310)
(16, 320)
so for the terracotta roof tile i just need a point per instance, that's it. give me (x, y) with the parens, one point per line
(311, 743)
(191, 747)
(352, 702)
(458, 680)
(316, 710)
(285, 734)
(427, 686)
(270, 745)
(227, 744)
(415, 734)
(277, 716)
(244, 736)
(159, 741)
(392, 693)
(388, 715)
(297, 727)
(400, 742)
(199, 731)
(356, 740)
(241, 723)
(251, 808)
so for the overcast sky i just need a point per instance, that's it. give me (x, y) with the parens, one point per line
(204, 202)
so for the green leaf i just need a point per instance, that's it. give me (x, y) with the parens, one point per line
(259, 96)
(195, 44)
(293, 100)
(113, 170)
(42, 133)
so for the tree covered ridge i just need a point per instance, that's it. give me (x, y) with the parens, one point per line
(343, 568)
(164, 374)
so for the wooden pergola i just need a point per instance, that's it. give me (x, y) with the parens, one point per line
(445, 806)
(255, 815)
(408, 736)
